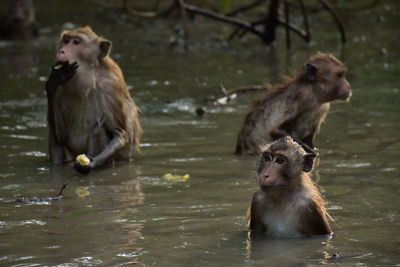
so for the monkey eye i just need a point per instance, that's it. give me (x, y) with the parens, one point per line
(65, 39)
(280, 160)
(267, 156)
(340, 74)
(76, 41)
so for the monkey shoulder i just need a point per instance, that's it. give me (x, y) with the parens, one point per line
(313, 217)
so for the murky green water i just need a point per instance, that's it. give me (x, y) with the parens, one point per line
(129, 213)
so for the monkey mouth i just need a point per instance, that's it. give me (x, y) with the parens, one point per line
(266, 181)
(61, 61)
(348, 95)
(345, 96)
(265, 188)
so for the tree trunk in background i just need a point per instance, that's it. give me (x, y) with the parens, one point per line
(19, 21)
(271, 22)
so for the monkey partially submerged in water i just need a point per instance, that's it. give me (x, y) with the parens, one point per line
(287, 203)
(297, 107)
(90, 110)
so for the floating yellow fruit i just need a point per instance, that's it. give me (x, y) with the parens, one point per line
(83, 160)
(176, 177)
(57, 67)
(82, 191)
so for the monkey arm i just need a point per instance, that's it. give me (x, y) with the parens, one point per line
(286, 128)
(99, 139)
(313, 221)
(56, 151)
(278, 133)
(117, 142)
(312, 131)
(254, 213)
(297, 125)
(308, 141)
(60, 73)
(250, 221)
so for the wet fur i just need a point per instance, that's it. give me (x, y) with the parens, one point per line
(297, 106)
(294, 207)
(95, 96)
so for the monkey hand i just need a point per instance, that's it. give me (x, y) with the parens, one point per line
(60, 73)
(83, 164)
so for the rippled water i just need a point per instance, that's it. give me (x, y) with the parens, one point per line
(135, 214)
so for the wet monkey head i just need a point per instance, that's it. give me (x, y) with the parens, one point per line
(328, 74)
(296, 107)
(288, 202)
(282, 163)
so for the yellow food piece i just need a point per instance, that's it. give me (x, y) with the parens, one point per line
(176, 177)
(83, 160)
(82, 191)
(57, 67)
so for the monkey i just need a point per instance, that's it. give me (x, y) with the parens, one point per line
(287, 204)
(19, 21)
(297, 107)
(90, 109)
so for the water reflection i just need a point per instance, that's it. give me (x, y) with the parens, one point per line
(130, 214)
(103, 228)
(289, 252)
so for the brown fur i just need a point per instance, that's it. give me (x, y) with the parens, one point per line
(96, 97)
(297, 107)
(291, 205)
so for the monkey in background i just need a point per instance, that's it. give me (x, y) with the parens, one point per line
(287, 204)
(90, 110)
(297, 107)
(19, 21)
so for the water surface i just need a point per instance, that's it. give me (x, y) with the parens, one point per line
(131, 214)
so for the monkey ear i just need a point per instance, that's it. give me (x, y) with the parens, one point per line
(308, 162)
(311, 72)
(105, 47)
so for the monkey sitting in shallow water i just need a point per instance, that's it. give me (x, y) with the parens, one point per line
(297, 107)
(90, 110)
(288, 204)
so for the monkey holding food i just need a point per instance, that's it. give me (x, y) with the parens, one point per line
(287, 204)
(296, 108)
(90, 110)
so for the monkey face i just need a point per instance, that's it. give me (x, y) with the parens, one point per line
(328, 74)
(282, 164)
(82, 45)
(271, 168)
(338, 88)
(69, 48)
(343, 90)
